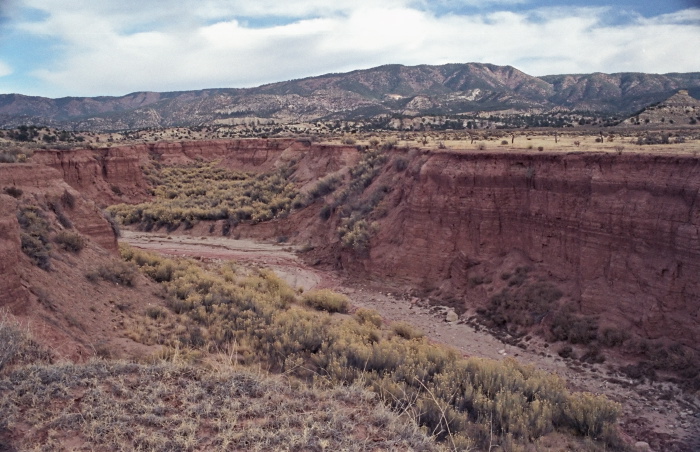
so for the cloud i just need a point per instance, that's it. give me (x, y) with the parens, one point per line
(115, 48)
(5, 69)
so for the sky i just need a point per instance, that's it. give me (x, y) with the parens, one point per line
(60, 48)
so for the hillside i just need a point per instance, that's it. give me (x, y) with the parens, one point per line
(451, 89)
(680, 108)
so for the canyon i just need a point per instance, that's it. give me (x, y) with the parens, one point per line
(619, 233)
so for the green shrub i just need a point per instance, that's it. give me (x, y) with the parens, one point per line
(57, 208)
(326, 300)
(590, 414)
(325, 186)
(577, 329)
(325, 212)
(70, 241)
(612, 337)
(113, 223)
(521, 304)
(68, 199)
(156, 313)
(400, 164)
(355, 233)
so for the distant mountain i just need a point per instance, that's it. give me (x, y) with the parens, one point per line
(450, 89)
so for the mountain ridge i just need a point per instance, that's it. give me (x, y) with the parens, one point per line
(392, 89)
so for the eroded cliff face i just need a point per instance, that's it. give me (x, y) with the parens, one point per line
(13, 293)
(65, 312)
(105, 175)
(620, 232)
(44, 185)
(116, 174)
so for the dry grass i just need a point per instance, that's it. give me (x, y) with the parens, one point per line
(261, 322)
(166, 407)
(16, 344)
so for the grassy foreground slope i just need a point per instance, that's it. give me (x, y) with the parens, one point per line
(199, 393)
(166, 406)
(254, 318)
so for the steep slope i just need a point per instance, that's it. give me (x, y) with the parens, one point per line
(52, 239)
(619, 232)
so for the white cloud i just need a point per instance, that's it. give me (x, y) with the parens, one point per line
(115, 48)
(5, 69)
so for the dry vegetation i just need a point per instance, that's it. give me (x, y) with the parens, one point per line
(253, 318)
(167, 406)
(38, 228)
(336, 365)
(185, 195)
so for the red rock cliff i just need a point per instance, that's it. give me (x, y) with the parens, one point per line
(622, 230)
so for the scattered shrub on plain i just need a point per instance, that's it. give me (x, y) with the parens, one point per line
(15, 155)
